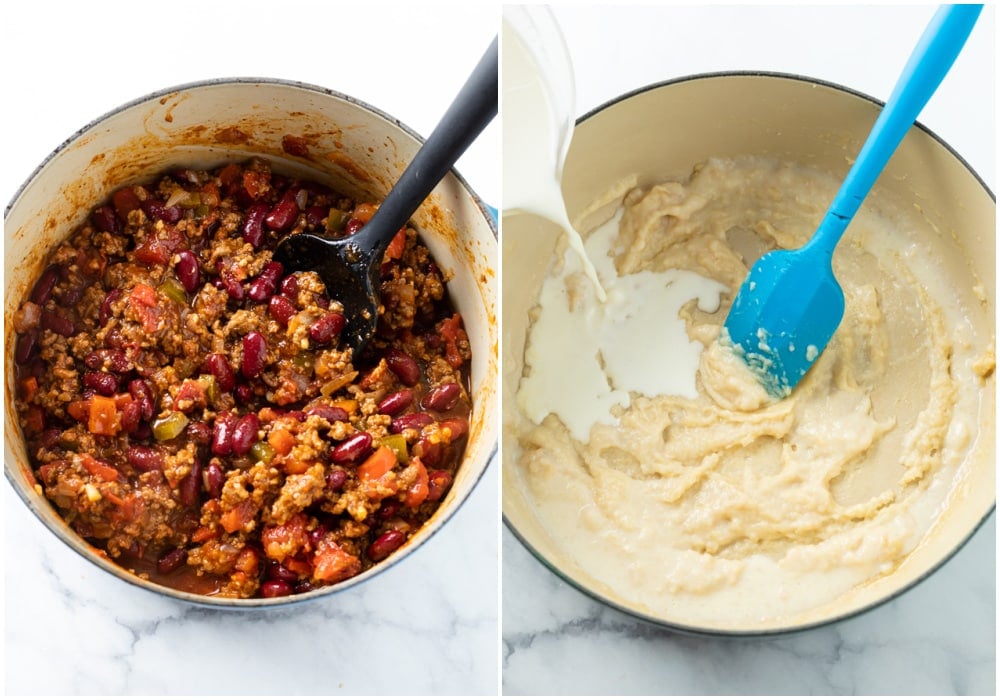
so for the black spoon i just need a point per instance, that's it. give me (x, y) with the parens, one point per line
(350, 265)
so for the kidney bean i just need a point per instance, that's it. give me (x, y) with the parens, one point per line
(385, 544)
(290, 287)
(414, 421)
(144, 458)
(315, 215)
(131, 416)
(157, 209)
(331, 414)
(190, 485)
(275, 589)
(70, 295)
(352, 449)
(457, 426)
(317, 534)
(284, 213)
(254, 354)
(104, 383)
(50, 437)
(396, 402)
(140, 390)
(438, 482)
(105, 312)
(266, 282)
(335, 479)
(245, 434)
(253, 225)
(143, 432)
(281, 309)
(57, 324)
(430, 453)
(199, 433)
(222, 434)
(353, 225)
(243, 394)
(232, 285)
(442, 397)
(25, 347)
(109, 358)
(214, 479)
(171, 561)
(278, 572)
(217, 365)
(387, 511)
(104, 219)
(188, 271)
(185, 176)
(403, 366)
(42, 291)
(326, 327)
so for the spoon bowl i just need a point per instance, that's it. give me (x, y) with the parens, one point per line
(350, 265)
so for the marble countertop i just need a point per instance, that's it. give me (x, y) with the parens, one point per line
(427, 626)
(940, 637)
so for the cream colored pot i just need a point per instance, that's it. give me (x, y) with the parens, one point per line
(351, 146)
(660, 133)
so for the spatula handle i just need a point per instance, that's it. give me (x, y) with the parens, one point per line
(930, 61)
(472, 109)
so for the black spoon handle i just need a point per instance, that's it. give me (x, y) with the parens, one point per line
(473, 108)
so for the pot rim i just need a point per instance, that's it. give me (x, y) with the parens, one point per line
(95, 556)
(699, 631)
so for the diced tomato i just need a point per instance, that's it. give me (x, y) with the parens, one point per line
(210, 195)
(417, 493)
(230, 174)
(396, 245)
(365, 211)
(124, 201)
(157, 250)
(247, 561)
(33, 420)
(239, 517)
(143, 298)
(256, 183)
(281, 440)
(143, 294)
(332, 564)
(98, 468)
(80, 410)
(286, 540)
(29, 387)
(378, 464)
(298, 565)
(295, 466)
(104, 418)
(203, 534)
(452, 332)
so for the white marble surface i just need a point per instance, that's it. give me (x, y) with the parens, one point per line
(939, 638)
(427, 626)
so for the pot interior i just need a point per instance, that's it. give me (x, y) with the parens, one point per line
(660, 134)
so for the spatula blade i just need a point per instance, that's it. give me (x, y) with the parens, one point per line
(784, 315)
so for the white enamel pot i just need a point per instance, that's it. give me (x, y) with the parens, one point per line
(352, 146)
(660, 133)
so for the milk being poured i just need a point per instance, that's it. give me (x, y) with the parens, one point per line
(535, 141)
(590, 349)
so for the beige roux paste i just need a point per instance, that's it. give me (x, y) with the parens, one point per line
(718, 506)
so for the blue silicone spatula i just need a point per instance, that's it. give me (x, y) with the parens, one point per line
(789, 306)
